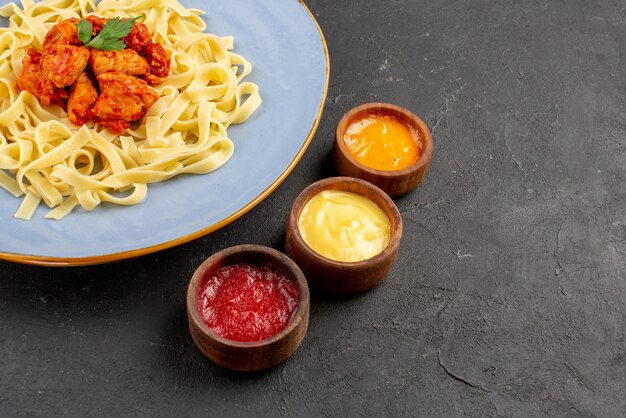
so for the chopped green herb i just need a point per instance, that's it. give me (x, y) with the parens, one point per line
(109, 37)
(84, 31)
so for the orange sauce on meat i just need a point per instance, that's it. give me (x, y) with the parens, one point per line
(382, 141)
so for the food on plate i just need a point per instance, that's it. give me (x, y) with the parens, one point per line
(32, 79)
(247, 302)
(382, 141)
(126, 61)
(123, 99)
(73, 49)
(99, 100)
(83, 97)
(344, 226)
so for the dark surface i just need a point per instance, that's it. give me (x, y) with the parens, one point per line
(508, 297)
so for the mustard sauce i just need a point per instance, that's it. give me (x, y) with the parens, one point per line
(344, 226)
(382, 141)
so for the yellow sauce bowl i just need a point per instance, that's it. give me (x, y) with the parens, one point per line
(332, 276)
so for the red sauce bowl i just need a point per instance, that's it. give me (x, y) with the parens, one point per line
(394, 183)
(248, 356)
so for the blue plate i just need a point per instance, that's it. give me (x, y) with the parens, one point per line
(290, 65)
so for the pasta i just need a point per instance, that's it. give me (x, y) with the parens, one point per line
(46, 159)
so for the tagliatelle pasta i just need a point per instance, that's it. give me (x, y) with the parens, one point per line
(46, 159)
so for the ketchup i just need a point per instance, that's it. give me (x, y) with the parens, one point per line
(247, 302)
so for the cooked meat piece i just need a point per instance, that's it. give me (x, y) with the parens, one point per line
(125, 61)
(138, 37)
(83, 96)
(117, 126)
(62, 64)
(32, 79)
(152, 79)
(64, 33)
(122, 97)
(97, 23)
(155, 54)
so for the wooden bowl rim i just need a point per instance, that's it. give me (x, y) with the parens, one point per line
(289, 267)
(406, 114)
(308, 193)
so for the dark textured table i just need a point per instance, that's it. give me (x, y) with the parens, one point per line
(509, 295)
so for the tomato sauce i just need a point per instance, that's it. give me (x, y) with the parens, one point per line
(382, 141)
(246, 302)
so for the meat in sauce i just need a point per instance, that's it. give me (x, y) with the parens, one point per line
(123, 98)
(32, 79)
(108, 87)
(125, 61)
(83, 96)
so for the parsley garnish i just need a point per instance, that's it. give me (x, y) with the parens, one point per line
(109, 37)
(84, 31)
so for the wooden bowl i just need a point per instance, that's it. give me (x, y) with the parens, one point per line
(248, 356)
(394, 183)
(339, 277)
